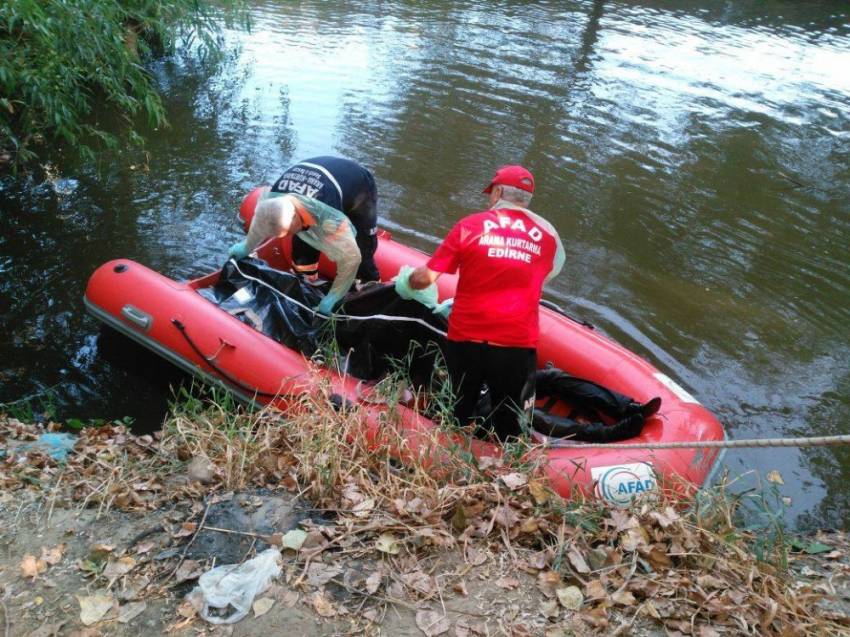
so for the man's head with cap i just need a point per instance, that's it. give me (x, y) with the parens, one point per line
(513, 183)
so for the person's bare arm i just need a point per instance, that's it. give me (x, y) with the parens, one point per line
(422, 277)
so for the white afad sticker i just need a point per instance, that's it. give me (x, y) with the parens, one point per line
(681, 393)
(620, 484)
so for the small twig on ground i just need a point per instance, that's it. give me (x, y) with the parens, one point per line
(189, 543)
(250, 548)
(259, 536)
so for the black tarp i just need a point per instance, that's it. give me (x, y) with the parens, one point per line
(372, 327)
(272, 302)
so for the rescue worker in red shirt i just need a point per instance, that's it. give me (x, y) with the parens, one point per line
(505, 256)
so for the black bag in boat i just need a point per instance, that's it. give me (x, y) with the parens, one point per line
(276, 303)
(379, 331)
(372, 327)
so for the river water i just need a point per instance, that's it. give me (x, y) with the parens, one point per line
(695, 158)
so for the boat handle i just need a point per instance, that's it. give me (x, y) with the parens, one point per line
(138, 318)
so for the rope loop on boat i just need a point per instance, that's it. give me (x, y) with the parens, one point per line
(210, 360)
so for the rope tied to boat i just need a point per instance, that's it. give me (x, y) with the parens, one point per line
(814, 441)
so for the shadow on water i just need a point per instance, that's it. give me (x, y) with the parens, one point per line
(154, 381)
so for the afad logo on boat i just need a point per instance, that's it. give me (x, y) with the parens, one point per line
(620, 484)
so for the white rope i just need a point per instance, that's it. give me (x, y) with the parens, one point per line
(817, 441)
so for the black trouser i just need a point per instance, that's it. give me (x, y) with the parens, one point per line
(583, 394)
(364, 217)
(509, 373)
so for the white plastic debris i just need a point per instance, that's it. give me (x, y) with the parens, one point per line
(237, 585)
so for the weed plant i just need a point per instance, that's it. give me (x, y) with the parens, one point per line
(64, 64)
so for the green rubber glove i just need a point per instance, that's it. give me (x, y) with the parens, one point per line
(327, 304)
(426, 296)
(238, 250)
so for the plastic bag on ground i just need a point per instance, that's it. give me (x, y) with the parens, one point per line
(55, 445)
(237, 585)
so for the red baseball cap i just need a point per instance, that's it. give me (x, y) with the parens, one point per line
(515, 176)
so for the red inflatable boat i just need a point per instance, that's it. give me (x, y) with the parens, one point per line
(161, 313)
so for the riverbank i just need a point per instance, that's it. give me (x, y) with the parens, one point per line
(111, 541)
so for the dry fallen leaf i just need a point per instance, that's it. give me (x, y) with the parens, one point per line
(650, 609)
(474, 556)
(188, 570)
(622, 521)
(577, 560)
(364, 508)
(665, 519)
(508, 583)
(293, 539)
(116, 568)
(570, 597)
(322, 604)
(186, 529)
(319, 573)
(262, 606)
(373, 582)
(467, 628)
(538, 492)
(54, 555)
(548, 582)
(634, 538)
(419, 582)
(387, 543)
(775, 477)
(187, 609)
(129, 612)
(595, 590)
(31, 566)
(94, 607)
(514, 481)
(549, 608)
(530, 525)
(144, 547)
(102, 548)
(432, 623)
(623, 598)
(710, 581)
(289, 598)
(133, 587)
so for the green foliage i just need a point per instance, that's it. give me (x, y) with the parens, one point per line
(78, 424)
(65, 64)
(39, 407)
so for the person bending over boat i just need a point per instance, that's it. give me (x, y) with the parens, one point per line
(342, 184)
(317, 225)
(505, 255)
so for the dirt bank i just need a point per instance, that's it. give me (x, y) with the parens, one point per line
(111, 541)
